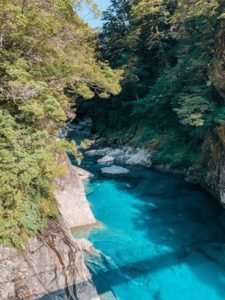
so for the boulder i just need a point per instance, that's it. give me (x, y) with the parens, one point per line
(124, 155)
(115, 170)
(107, 159)
(98, 152)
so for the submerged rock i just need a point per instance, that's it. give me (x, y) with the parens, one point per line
(115, 170)
(213, 251)
(152, 206)
(51, 263)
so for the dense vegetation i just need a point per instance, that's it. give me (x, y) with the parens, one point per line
(173, 96)
(172, 56)
(47, 57)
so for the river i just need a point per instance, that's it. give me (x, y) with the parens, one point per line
(160, 237)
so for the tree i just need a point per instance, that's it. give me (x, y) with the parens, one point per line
(172, 54)
(45, 50)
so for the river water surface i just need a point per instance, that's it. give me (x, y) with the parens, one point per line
(160, 238)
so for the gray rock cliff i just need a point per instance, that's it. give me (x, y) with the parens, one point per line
(51, 265)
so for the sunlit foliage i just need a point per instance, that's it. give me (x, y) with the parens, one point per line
(45, 50)
(173, 57)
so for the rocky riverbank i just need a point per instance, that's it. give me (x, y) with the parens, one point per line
(71, 197)
(52, 265)
(123, 155)
(110, 152)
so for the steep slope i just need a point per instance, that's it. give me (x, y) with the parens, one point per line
(52, 263)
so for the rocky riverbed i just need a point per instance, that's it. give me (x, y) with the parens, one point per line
(123, 155)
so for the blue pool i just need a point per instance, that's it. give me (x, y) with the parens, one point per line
(160, 238)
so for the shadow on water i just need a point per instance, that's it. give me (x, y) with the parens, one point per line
(82, 290)
(189, 221)
(140, 268)
(181, 220)
(183, 213)
(117, 276)
(170, 213)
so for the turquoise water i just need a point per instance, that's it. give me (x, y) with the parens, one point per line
(160, 238)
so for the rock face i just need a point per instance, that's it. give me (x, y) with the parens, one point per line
(50, 263)
(212, 176)
(71, 197)
(51, 266)
(87, 247)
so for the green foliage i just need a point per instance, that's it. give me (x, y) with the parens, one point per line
(27, 169)
(45, 50)
(192, 109)
(172, 53)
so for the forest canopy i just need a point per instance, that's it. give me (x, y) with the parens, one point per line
(168, 56)
(173, 91)
(45, 50)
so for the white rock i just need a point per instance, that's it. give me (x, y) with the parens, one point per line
(139, 157)
(115, 170)
(125, 155)
(84, 175)
(71, 198)
(116, 153)
(85, 245)
(99, 152)
(106, 159)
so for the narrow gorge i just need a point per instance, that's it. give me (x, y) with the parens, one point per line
(159, 236)
(112, 150)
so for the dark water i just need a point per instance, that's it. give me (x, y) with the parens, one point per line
(160, 238)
